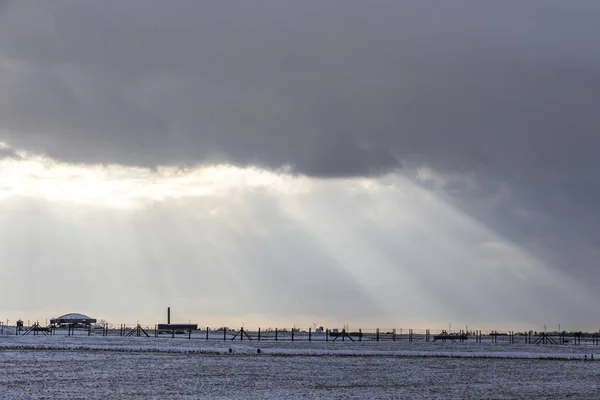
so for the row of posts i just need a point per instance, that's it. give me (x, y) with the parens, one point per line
(541, 338)
(51, 330)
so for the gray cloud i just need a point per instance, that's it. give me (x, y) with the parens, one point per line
(8, 153)
(330, 88)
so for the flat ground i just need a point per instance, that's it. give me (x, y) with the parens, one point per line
(96, 367)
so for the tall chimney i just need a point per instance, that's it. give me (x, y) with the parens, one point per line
(168, 315)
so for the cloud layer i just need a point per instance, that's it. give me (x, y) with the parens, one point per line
(331, 89)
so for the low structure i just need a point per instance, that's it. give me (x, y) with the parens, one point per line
(175, 328)
(73, 319)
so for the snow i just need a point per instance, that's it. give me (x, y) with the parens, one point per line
(84, 366)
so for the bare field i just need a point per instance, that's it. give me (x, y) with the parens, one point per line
(96, 367)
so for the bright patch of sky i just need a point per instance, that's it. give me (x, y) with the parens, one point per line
(225, 245)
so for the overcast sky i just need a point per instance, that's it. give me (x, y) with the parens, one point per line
(290, 162)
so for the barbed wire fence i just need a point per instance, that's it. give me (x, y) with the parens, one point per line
(310, 334)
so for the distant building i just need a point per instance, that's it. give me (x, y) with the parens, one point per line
(73, 319)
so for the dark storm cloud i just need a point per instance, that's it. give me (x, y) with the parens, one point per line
(332, 88)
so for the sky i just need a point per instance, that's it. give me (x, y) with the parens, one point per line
(269, 163)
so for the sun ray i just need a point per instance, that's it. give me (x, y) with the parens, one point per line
(226, 242)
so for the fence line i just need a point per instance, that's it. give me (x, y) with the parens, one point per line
(316, 335)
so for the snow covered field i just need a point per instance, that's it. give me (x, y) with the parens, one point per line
(111, 367)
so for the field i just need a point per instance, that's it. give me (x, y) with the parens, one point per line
(80, 367)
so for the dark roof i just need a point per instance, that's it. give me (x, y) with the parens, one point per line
(73, 318)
